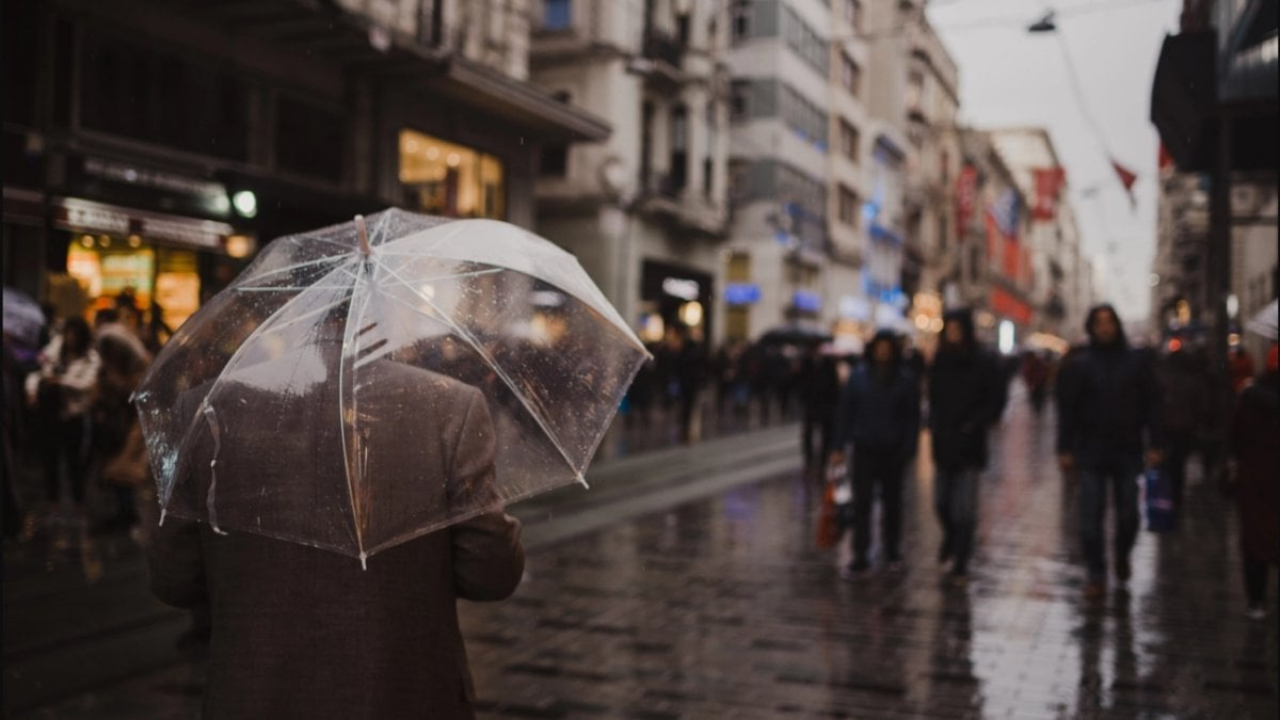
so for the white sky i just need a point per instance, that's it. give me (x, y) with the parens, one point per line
(1009, 77)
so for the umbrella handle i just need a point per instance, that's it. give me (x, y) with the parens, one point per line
(363, 232)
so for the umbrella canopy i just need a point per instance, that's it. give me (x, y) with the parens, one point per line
(794, 334)
(23, 318)
(1264, 322)
(352, 390)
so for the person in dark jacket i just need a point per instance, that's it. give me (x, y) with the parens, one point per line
(967, 395)
(1185, 412)
(879, 415)
(1108, 411)
(820, 393)
(1254, 429)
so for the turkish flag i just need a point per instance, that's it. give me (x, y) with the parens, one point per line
(1127, 176)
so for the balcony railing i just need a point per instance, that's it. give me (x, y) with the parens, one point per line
(663, 47)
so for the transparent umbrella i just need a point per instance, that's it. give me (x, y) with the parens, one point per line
(1264, 321)
(355, 388)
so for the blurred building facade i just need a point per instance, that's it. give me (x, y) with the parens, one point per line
(1052, 246)
(646, 210)
(778, 248)
(153, 146)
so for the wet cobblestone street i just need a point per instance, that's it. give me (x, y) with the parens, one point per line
(641, 602)
(723, 608)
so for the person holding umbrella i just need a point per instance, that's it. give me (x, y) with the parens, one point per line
(334, 439)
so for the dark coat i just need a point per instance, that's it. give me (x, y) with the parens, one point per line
(1255, 427)
(1108, 403)
(967, 395)
(878, 413)
(305, 632)
(820, 387)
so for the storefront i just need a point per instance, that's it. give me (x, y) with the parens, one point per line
(674, 296)
(170, 264)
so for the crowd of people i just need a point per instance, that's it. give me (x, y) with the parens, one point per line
(67, 415)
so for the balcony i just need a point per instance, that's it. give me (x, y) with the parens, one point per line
(663, 56)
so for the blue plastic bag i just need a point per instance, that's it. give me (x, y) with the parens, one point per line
(1159, 494)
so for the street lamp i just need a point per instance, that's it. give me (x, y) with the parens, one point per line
(1044, 24)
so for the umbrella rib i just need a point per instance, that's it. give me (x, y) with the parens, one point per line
(349, 335)
(537, 415)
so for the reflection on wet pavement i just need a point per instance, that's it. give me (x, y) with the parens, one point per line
(723, 608)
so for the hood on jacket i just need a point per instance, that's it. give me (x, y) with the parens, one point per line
(885, 336)
(1121, 339)
(963, 317)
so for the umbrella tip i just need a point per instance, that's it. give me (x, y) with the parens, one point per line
(583, 482)
(364, 564)
(363, 232)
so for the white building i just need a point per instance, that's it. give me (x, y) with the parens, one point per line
(644, 211)
(780, 103)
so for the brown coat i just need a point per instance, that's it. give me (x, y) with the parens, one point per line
(305, 632)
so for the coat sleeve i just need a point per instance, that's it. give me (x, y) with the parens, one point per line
(911, 426)
(845, 413)
(1066, 395)
(488, 558)
(997, 394)
(1152, 403)
(176, 564)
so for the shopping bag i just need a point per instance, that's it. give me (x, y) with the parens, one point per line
(828, 528)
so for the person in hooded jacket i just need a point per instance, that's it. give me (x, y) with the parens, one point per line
(1108, 411)
(967, 395)
(1254, 427)
(879, 414)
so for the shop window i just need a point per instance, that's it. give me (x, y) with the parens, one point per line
(310, 139)
(444, 178)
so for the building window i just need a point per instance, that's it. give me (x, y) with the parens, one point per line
(557, 14)
(741, 20)
(739, 107)
(302, 129)
(850, 138)
(850, 74)
(678, 168)
(708, 161)
(553, 161)
(853, 14)
(444, 178)
(848, 209)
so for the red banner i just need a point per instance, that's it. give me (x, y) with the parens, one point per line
(1048, 188)
(1005, 304)
(966, 199)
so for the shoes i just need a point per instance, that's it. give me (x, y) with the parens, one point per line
(894, 566)
(944, 552)
(1123, 570)
(859, 570)
(1256, 612)
(958, 577)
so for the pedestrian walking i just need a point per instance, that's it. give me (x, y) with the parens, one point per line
(879, 415)
(967, 394)
(1255, 426)
(1186, 410)
(820, 393)
(119, 448)
(1109, 411)
(61, 392)
(300, 631)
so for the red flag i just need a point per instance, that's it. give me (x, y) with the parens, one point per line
(1048, 187)
(1127, 178)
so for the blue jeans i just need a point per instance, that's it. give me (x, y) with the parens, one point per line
(955, 500)
(1123, 472)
